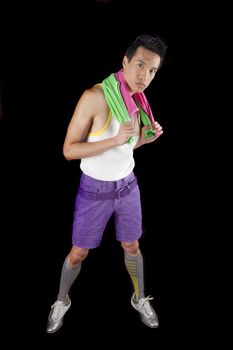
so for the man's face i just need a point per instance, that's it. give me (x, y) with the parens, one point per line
(142, 68)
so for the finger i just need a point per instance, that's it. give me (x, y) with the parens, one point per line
(159, 133)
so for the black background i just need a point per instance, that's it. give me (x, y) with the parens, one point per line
(50, 55)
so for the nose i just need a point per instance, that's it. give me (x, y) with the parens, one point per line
(144, 75)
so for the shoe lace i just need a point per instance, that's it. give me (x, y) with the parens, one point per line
(144, 304)
(56, 309)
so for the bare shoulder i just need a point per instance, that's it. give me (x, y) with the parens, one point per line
(95, 95)
(90, 101)
(91, 112)
(94, 102)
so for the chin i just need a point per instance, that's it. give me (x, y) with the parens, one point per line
(140, 89)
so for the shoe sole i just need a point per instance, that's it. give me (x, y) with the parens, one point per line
(55, 330)
(157, 326)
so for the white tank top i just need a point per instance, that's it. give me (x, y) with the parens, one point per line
(114, 164)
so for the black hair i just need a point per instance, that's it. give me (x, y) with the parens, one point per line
(152, 43)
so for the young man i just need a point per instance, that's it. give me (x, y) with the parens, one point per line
(111, 120)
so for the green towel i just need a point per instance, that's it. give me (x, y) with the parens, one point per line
(118, 108)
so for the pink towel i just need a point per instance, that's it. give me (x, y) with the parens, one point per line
(129, 101)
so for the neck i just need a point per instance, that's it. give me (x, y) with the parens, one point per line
(123, 80)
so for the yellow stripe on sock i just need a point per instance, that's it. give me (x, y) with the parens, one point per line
(132, 269)
(135, 284)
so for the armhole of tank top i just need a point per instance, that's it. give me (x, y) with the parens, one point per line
(99, 132)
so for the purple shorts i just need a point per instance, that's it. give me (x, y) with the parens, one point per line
(92, 214)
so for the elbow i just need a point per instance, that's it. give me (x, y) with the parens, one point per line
(71, 151)
(66, 153)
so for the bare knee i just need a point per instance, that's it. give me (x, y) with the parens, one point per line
(131, 248)
(77, 255)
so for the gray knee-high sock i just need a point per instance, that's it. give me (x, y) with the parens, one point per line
(68, 276)
(134, 266)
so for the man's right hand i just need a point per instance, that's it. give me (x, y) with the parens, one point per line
(126, 130)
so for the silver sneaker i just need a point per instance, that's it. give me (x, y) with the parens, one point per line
(146, 311)
(56, 315)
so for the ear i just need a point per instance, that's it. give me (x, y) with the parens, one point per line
(125, 61)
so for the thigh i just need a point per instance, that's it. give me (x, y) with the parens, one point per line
(90, 216)
(128, 217)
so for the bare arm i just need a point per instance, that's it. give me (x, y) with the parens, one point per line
(87, 109)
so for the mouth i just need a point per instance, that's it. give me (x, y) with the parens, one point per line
(140, 85)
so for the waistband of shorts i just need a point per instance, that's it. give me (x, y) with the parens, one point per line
(122, 192)
(123, 180)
